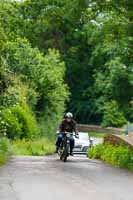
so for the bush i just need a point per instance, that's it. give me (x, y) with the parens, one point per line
(49, 124)
(18, 93)
(19, 122)
(96, 152)
(4, 150)
(35, 148)
(119, 156)
(43, 73)
(112, 115)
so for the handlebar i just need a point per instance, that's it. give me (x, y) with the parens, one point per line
(75, 135)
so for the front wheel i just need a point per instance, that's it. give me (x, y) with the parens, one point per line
(65, 153)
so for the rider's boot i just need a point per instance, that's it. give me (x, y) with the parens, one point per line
(71, 152)
(57, 148)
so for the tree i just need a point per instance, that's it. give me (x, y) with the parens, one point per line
(44, 76)
(93, 42)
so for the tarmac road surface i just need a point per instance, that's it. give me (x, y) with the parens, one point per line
(48, 178)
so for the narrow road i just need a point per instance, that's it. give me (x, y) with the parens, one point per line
(47, 178)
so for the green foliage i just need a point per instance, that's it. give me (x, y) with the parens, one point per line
(120, 81)
(35, 148)
(109, 34)
(38, 82)
(5, 79)
(112, 115)
(96, 152)
(4, 150)
(18, 122)
(49, 124)
(97, 135)
(119, 156)
(93, 55)
(50, 24)
(43, 74)
(15, 93)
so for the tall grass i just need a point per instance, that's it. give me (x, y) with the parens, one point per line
(34, 148)
(4, 150)
(38, 147)
(97, 135)
(120, 156)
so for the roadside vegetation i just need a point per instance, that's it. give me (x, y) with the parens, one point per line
(63, 55)
(52, 50)
(38, 147)
(118, 156)
(97, 135)
(29, 147)
(4, 150)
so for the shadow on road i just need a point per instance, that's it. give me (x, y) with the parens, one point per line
(79, 159)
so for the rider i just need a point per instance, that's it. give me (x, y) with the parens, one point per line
(67, 125)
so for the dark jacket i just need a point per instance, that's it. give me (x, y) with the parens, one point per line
(68, 126)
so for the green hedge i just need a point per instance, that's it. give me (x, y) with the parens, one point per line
(119, 156)
(4, 150)
(18, 122)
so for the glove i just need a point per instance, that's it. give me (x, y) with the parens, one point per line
(77, 136)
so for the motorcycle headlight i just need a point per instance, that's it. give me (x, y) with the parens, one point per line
(68, 134)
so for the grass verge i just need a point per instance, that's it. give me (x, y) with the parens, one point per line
(97, 135)
(119, 156)
(4, 150)
(33, 148)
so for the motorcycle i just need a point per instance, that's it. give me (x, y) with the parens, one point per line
(64, 149)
